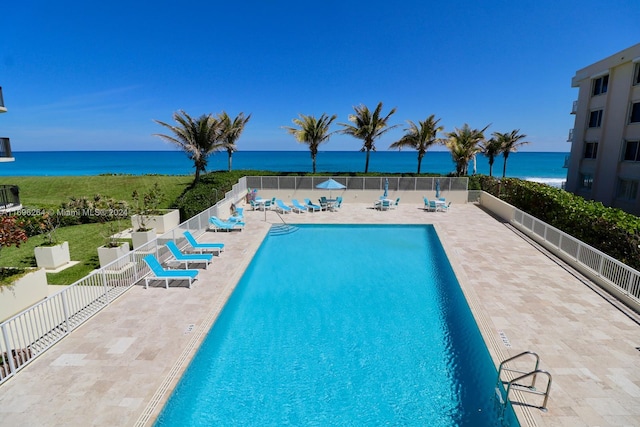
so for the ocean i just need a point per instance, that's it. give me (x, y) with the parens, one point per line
(544, 167)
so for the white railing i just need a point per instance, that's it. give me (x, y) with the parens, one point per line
(395, 183)
(617, 278)
(34, 330)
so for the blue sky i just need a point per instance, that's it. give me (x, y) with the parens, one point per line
(94, 75)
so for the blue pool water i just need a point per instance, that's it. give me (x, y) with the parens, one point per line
(343, 325)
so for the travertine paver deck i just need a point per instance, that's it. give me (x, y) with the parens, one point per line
(117, 369)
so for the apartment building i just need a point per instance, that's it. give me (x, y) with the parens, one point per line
(9, 194)
(604, 163)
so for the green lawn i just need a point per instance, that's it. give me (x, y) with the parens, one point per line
(49, 192)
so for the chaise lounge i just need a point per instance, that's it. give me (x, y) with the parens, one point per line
(202, 247)
(187, 258)
(217, 224)
(159, 273)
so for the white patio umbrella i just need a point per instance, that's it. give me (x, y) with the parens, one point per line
(330, 184)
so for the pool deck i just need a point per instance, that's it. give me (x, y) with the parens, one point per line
(119, 367)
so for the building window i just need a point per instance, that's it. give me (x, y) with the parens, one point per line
(600, 85)
(635, 113)
(627, 189)
(631, 151)
(595, 119)
(586, 181)
(636, 75)
(590, 150)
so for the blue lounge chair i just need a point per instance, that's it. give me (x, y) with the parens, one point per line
(216, 224)
(187, 258)
(297, 206)
(280, 206)
(311, 206)
(385, 205)
(338, 202)
(202, 247)
(159, 273)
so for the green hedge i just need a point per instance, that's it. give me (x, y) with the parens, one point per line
(609, 230)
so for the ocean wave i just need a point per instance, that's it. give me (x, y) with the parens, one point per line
(553, 182)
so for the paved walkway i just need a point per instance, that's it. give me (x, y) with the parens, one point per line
(119, 368)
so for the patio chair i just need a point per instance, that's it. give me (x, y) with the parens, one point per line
(216, 224)
(311, 206)
(238, 215)
(426, 203)
(433, 206)
(187, 258)
(385, 205)
(297, 207)
(202, 247)
(324, 205)
(160, 273)
(281, 207)
(395, 205)
(338, 202)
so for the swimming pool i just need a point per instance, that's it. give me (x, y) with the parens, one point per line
(343, 325)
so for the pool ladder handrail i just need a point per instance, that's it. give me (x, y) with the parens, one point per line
(287, 228)
(524, 375)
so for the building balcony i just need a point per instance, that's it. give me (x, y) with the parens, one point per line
(2, 108)
(5, 150)
(570, 137)
(9, 198)
(574, 107)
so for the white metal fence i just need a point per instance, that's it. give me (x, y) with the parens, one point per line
(395, 183)
(34, 330)
(609, 273)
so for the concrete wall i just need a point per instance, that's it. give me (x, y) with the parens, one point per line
(26, 291)
(497, 206)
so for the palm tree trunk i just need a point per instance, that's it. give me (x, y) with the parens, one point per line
(504, 167)
(419, 164)
(313, 162)
(490, 167)
(197, 177)
(366, 165)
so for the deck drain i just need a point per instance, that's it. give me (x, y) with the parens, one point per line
(189, 328)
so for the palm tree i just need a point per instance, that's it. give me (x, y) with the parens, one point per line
(198, 138)
(509, 142)
(420, 137)
(231, 131)
(368, 127)
(464, 145)
(492, 149)
(312, 131)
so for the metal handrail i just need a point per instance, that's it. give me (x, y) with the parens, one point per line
(545, 393)
(525, 374)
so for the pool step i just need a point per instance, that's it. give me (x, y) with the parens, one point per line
(282, 229)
